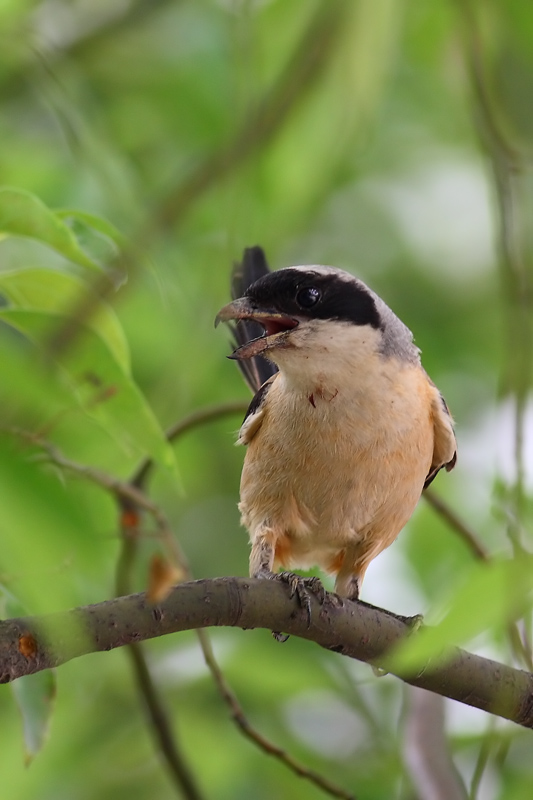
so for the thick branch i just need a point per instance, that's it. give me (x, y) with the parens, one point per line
(35, 643)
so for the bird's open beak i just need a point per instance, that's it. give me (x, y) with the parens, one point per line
(276, 326)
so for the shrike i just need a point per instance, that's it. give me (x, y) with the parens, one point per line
(345, 430)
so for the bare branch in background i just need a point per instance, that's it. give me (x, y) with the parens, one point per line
(130, 535)
(132, 501)
(469, 536)
(515, 272)
(516, 276)
(164, 733)
(426, 749)
(303, 67)
(242, 721)
(200, 417)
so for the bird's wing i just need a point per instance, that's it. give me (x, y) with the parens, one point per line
(253, 266)
(256, 411)
(445, 445)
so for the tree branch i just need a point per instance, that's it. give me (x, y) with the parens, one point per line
(31, 644)
(131, 501)
(128, 551)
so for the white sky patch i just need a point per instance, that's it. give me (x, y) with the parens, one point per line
(185, 664)
(463, 720)
(326, 724)
(390, 582)
(445, 213)
(59, 23)
(487, 449)
(490, 785)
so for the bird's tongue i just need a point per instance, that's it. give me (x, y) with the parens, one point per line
(273, 326)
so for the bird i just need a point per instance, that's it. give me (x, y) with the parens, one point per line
(345, 430)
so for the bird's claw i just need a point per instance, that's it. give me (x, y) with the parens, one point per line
(303, 588)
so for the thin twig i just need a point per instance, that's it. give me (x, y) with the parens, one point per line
(131, 498)
(516, 280)
(200, 417)
(164, 735)
(303, 67)
(482, 761)
(519, 646)
(241, 720)
(454, 521)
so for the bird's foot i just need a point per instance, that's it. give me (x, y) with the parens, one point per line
(303, 588)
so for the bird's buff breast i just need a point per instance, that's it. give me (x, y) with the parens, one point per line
(328, 469)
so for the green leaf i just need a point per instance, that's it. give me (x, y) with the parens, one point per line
(101, 240)
(50, 290)
(102, 226)
(23, 214)
(491, 596)
(10, 606)
(35, 695)
(32, 395)
(105, 391)
(44, 532)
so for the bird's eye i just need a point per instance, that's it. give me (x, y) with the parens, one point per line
(308, 297)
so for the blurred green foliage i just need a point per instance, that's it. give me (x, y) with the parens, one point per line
(375, 135)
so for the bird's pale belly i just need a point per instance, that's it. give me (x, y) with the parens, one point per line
(318, 488)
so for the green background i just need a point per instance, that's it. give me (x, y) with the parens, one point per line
(379, 136)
